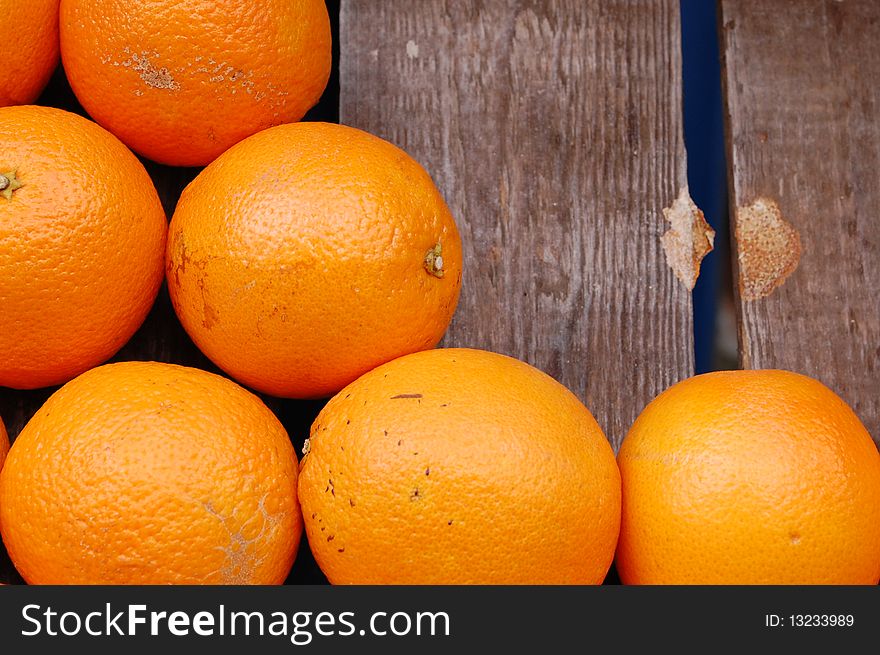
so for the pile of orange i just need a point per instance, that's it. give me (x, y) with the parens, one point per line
(309, 260)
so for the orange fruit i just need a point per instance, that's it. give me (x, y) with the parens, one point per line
(749, 477)
(4, 443)
(180, 82)
(459, 467)
(82, 237)
(310, 253)
(28, 49)
(148, 473)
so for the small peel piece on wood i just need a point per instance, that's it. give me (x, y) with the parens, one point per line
(688, 240)
(768, 248)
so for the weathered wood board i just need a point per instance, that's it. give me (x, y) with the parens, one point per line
(802, 89)
(554, 131)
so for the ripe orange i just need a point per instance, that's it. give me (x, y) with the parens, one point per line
(749, 477)
(4, 443)
(459, 466)
(310, 253)
(147, 473)
(82, 237)
(180, 82)
(28, 49)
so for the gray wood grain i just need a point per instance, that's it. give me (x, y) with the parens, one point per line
(802, 88)
(554, 131)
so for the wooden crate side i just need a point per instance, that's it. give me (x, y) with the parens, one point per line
(554, 132)
(802, 93)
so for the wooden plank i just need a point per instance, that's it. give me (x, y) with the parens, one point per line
(554, 131)
(802, 87)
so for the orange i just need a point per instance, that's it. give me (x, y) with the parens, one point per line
(28, 48)
(310, 253)
(148, 473)
(459, 467)
(749, 477)
(4, 449)
(4, 443)
(82, 237)
(180, 82)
